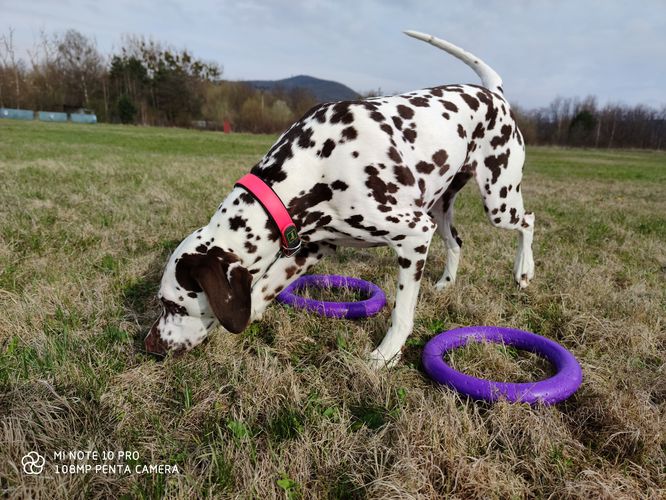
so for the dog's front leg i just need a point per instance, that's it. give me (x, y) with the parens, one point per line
(412, 252)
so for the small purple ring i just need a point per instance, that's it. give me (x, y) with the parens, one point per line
(351, 310)
(553, 390)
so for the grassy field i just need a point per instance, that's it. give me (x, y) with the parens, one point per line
(289, 409)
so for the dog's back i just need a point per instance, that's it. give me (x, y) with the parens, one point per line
(399, 154)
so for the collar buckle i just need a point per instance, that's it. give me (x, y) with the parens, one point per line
(291, 242)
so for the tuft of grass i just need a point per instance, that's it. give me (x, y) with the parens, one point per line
(342, 294)
(287, 424)
(499, 362)
(290, 487)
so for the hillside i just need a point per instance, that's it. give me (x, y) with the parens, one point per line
(323, 90)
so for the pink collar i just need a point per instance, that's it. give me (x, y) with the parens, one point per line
(275, 209)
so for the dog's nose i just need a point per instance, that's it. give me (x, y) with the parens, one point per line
(154, 343)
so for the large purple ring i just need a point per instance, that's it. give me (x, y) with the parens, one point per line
(553, 390)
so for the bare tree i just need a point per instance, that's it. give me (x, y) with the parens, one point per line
(8, 55)
(82, 65)
(46, 78)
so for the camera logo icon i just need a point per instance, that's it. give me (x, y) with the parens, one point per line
(33, 463)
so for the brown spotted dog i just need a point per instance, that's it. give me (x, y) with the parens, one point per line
(378, 171)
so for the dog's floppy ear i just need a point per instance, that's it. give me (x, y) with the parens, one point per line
(228, 291)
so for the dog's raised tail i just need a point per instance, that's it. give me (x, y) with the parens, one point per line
(489, 77)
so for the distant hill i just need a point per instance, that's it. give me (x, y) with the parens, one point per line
(322, 90)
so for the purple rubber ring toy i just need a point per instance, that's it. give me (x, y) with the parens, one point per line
(553, 390)
(351, 310)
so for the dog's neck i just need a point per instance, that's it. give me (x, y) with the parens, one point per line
(241, 226)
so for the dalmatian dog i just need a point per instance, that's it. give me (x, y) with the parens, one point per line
(372, 172)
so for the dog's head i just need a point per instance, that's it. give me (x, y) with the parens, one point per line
(201, 286)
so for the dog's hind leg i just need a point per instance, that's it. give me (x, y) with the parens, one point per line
(442, 213)
(503, 202)
(523, 267)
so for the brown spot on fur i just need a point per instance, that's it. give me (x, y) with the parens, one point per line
(471, 101)
(449, 106)
(514, 218)
(495, 164)
(319, 193)
(419, 101)
(424, 167)
(405, 112)
(409, 135)
(236, 222)
(328, 148)
(290, 271)
(380, 190)
(503, 138)
(377, 116)
(440, 157)
(394, 155)
(403, 175)
(339, 185)
(342, 113)
(419, 270)
(349, 134)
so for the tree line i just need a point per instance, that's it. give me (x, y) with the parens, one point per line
(144, 82)
(150, 83)
(583, 123)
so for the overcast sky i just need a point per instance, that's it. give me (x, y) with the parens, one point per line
(613, 49)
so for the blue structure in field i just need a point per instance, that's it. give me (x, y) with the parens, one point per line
(52, 116)
(83, 118)
(47, 116)
(17, 114)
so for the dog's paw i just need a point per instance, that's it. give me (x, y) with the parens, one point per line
(523, 271)
(523, 282)
(524, 274)
(377, 360)
(444, 283)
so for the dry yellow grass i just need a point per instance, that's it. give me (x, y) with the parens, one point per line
(289, 408)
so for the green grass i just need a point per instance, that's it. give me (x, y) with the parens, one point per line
(599, 165)
(289, 408)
